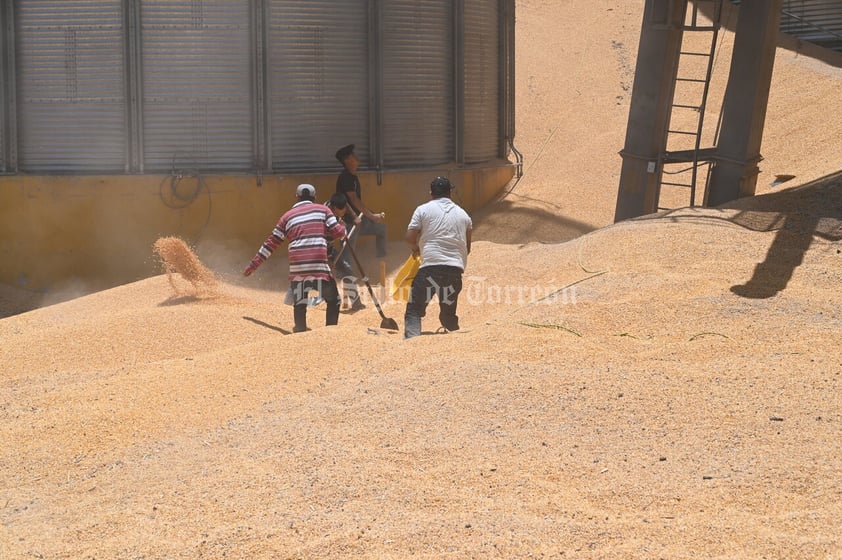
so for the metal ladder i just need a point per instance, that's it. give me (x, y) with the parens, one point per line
(680, 162)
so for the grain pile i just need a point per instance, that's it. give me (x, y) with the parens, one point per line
(667, 387)
(179, 261)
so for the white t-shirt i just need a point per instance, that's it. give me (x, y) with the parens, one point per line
(443, 226)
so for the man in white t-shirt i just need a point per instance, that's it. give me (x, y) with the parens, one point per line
(441, 232)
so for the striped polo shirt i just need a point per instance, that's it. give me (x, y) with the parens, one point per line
(307, 226)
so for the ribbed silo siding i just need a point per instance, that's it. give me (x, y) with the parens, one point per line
(482, 81)
(318, 61)
(816, 21)
(5, 88)
(4, 103)
(71, 109)
(418, 83)
(197, 87)
(213, 85)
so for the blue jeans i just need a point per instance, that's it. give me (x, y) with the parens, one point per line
(444, 282)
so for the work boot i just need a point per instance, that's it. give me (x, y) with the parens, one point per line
(332, 313)
(300, 316)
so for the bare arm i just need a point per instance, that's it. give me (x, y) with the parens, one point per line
(354, 216)
(355, 200)
(412, 236)
(468, 239)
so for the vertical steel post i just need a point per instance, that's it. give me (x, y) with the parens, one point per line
(507, 78)
(375, 86)
(134, 90)
(654, 85)
(746, 98)
(459, 81)
(9, 86)
(262, 141)
(4, 133)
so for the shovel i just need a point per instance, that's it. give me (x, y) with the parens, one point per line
(386, 323)
(345, 242)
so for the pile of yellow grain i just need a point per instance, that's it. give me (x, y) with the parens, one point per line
(178, 258)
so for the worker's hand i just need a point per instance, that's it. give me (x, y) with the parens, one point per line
(358, 219)
(381, 217)
(252, 266)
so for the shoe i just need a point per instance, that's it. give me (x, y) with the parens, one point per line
(357, 306)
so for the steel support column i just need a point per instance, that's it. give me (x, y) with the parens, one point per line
(8, 90)
(654, 84)
(746, 98)
(507, 83)
(459, 81)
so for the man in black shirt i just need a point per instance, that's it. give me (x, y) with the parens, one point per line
(372, 223)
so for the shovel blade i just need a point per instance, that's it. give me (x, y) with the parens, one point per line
(389, 324)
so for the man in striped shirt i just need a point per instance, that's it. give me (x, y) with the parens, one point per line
(308, 227)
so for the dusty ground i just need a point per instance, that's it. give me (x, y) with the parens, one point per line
(667, 387)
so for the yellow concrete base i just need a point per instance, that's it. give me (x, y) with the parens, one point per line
(96, 232)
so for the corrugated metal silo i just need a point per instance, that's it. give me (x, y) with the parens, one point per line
(152, 86)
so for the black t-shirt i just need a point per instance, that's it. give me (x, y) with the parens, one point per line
(347, 183)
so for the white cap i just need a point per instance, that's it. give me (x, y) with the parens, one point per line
(306, 190)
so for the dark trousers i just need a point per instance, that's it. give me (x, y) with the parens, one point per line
(345, 273)
(344, 267)
(443, 282)
(326, 289)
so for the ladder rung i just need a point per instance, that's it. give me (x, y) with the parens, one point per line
(700, 28)
(697, 80)
(688, 53)
(701, 156)
(695, 107)
(683, 132)
(677, 185)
